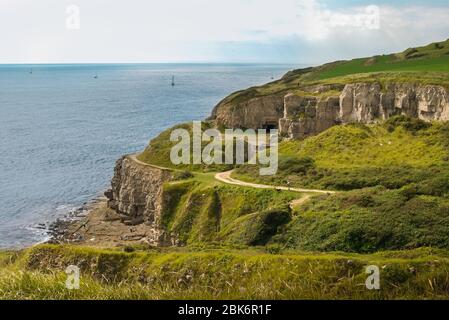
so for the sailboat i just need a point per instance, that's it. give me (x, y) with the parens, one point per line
(173, 81)
(31, 71)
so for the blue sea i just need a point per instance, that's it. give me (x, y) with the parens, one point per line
(62, 127)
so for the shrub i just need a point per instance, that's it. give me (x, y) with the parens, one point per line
(292, 165)
(182, 175)
(409, 124)
(369, 220)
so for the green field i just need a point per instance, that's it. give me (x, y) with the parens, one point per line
(430, 58)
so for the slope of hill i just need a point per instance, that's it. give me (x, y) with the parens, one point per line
(308, 101)
(428, 64)
(392, 154)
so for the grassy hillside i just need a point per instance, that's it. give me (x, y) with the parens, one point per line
(399, 176)
(158, 151)
(369, 220)
(398, 171)
(209, 212)
(394, 154)
(38, 273)
(426, 65)
(430, 58)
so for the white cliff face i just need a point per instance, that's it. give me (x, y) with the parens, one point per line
(366, 103)
(304, 116)
(313, 111)
(433, 103)
(360, 103)
(255, 113)
(363, 103)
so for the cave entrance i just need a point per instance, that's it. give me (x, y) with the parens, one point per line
(270, 124)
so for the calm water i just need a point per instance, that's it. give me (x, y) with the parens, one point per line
(61, 130)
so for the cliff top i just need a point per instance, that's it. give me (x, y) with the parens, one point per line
(428, 65)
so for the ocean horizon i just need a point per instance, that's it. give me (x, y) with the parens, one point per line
(63, 126)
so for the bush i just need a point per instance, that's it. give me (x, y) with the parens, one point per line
(292, 165)
(409, 124)
(274, 248)
(182, 175)
(369, 220)
(258, 228)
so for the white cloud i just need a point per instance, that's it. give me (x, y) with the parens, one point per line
(170, 30)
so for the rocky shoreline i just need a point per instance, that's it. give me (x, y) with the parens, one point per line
(97, 225)
(58, 231)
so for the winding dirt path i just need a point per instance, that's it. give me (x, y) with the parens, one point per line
(225, 177)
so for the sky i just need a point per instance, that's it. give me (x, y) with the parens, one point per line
(247, 31)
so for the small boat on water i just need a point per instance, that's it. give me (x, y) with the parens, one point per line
(173, 81)
(95, 76)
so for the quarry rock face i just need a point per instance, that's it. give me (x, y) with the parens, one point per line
(367, 103)
(360, 103)
(254, 113)
(137, 195)
(303, 115)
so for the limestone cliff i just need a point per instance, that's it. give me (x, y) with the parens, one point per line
(314, 109)
(368, 102)
(137, 195)
(258, 112)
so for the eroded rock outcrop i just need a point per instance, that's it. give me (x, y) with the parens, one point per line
(367, 103)
(257, 113)
(362, 103)
(137, 195)
(317, 108)
(305, 116)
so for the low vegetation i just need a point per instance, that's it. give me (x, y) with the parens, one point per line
(394, 154)
(369, 220)
(422, 65)
(39, 273)
(196, 213)
(158, 151)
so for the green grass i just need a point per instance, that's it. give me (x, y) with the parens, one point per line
(198, 212)
(387, 64)
(399, 176)
(430, 58)
(404, 161)
(353, 146)
(369, 220)
(394, 154)
(423, 65)
(38, 273)
(158, 152)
